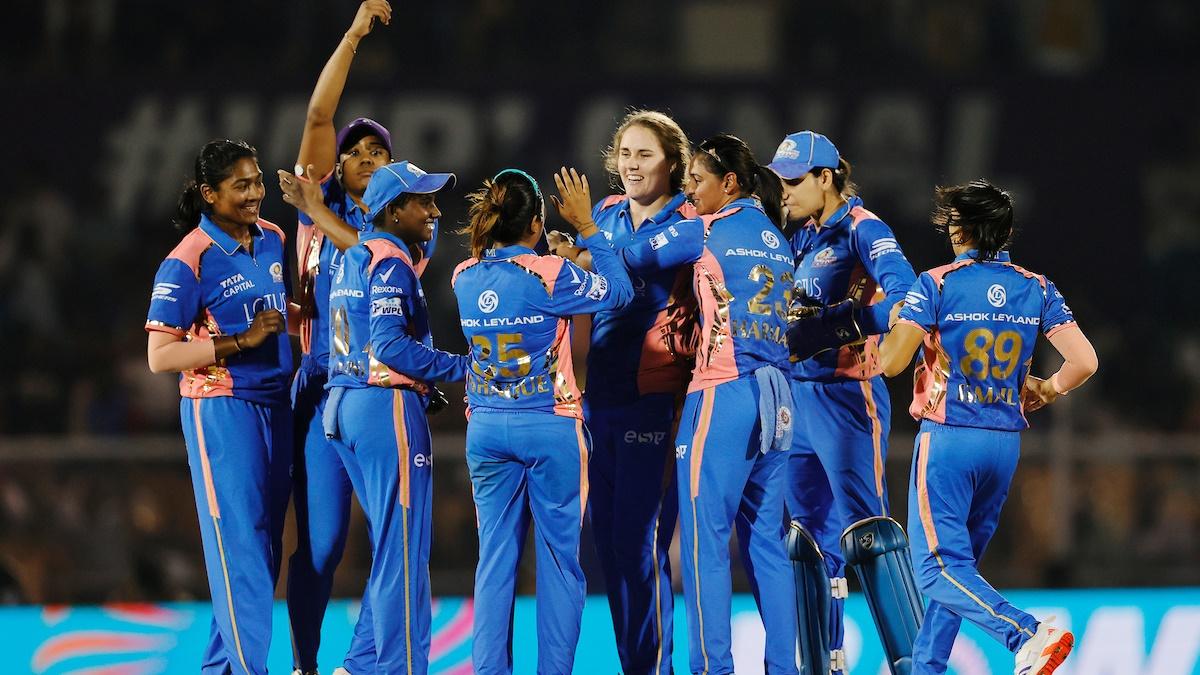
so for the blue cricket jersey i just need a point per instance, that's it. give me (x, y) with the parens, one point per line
(515, 308)
(850, 256)
(643, 348)
(210, 286)
(379, 323)
(981, 321)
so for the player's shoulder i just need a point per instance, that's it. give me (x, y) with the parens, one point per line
(609, 204)
(190, 249)
(269, 227)
(462, 267)
(939, 274)
(1040, 279)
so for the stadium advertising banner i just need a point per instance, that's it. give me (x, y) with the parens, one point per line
(1119, 632)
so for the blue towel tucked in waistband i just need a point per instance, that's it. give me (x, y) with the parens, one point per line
(775, 409)
(329, 419)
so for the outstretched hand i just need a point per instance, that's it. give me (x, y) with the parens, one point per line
(574, 202)
(364, 20)
(300, 192)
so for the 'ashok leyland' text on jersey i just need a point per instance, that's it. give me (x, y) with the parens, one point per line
(981, 321)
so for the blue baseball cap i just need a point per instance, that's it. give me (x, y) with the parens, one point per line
(802, 152)
(363, 126)
(391, 181)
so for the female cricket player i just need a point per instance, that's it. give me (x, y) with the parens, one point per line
(641, 374)
(333, 171)
(526, 443)
(218, 316)
(979, 318)
(734, 471)
(844, 253)
(381, 370)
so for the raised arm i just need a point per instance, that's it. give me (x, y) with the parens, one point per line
(609, 286)
(318, 144)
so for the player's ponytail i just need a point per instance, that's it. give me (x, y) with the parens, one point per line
(213, 165)
(724, 153)
(502, 211)
(769, 190)
(982, 211)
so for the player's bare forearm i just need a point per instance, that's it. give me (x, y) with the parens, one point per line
(898, 348)
(1079, 359)
(342, 235)
(169, 353)
(317, 145)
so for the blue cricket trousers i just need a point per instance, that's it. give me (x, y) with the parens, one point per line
(522, 464)
(384, 441)
(836, 468)
(321, 494)
(725, 480)
(633, 505)
(240, 456)
(960, 479)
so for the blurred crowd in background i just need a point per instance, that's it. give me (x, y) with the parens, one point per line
(77, 259)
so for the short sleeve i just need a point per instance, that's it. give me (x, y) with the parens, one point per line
(921, 303)
(175, 299)
(1055, 312)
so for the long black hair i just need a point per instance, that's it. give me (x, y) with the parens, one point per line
(982, 210)
(213, 165)
(726, 153)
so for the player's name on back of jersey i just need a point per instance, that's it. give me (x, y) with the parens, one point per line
(959, 317)
(976, 394)
(503, 321)
(759, 330)
(526, 386)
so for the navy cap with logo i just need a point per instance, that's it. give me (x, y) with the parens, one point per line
(802, 152)
(356, 130)
(393, 180)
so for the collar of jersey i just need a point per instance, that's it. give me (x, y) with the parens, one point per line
(664, 214)
(840, 216)
(226, 243)
(1001, 257)
(742, 203)
(368, 236)
(507, 252)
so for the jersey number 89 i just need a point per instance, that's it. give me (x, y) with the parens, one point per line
(984, 347)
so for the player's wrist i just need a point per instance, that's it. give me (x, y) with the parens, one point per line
(352, 40)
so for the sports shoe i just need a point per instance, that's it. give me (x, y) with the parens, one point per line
(1043, 653)
(341, 671)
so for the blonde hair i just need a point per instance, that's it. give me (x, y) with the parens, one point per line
(670, 136)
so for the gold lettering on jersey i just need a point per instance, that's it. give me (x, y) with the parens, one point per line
(977, 395)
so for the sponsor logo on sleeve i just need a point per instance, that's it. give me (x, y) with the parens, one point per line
(162, 291)
(598, 288)
(387, 307)
(386, 275)
(769, 238)
(884, 246)
(996, 295)
(658, 241)
(914, 299)
(488, 301)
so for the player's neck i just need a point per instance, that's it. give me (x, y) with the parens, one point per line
(831, 207)
(238, 231)
(639, 212)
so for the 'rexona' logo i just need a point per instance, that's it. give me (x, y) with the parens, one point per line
(488, 301)
(996, 295)
(770, 239)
